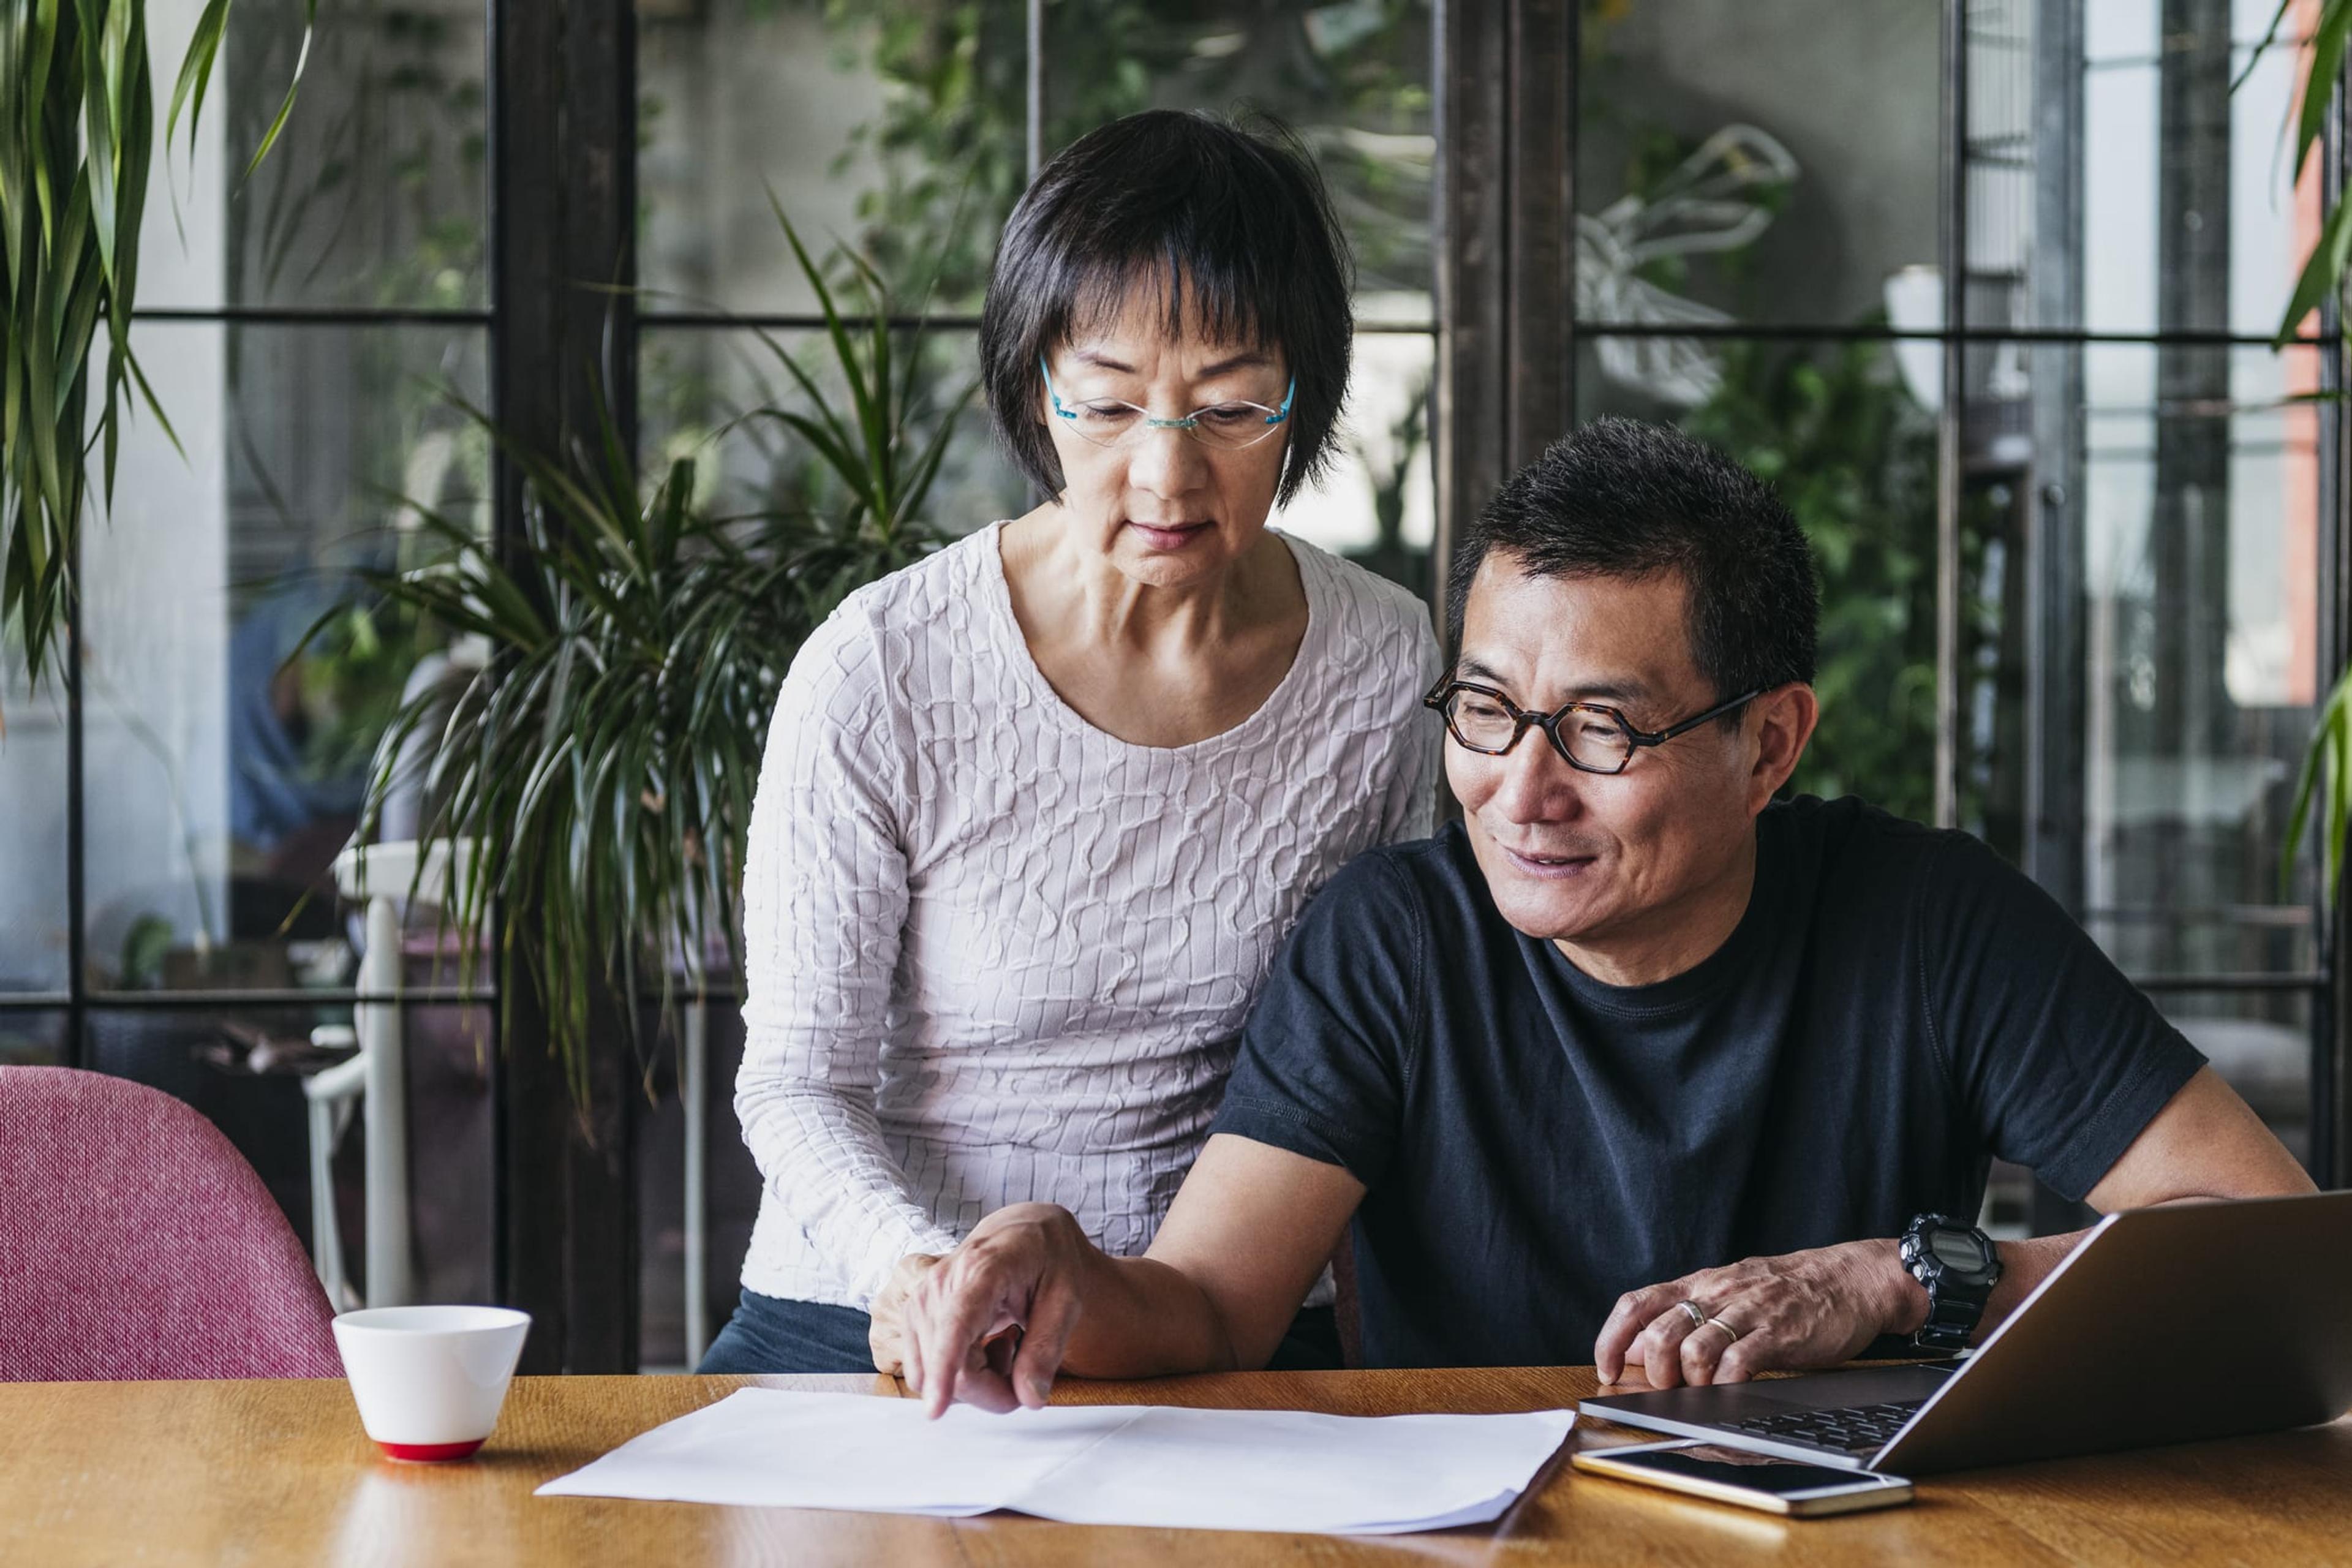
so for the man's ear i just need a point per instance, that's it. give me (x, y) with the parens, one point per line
(1783, 721)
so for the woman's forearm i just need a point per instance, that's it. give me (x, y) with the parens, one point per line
(820, 1154)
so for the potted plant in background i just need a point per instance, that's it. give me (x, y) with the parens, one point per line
(595, 775)
(577, 793)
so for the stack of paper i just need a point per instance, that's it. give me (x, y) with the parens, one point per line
(1120, 1464)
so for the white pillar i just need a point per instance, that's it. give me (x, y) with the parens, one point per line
(694, 1067)
(386, 1105)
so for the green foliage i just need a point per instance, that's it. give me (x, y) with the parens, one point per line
(351, 673)
(2327, 775)
(2323, 271)
(866, 448)
(599, 770)
(1855, 459)
(76, 145)
(950, 139)
(396, 159)
(1854, 456)
(144, 948)
(952, 143)
(2326, 780)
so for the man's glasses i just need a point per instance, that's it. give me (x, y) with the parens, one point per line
(1227, 426)
(1593, 737)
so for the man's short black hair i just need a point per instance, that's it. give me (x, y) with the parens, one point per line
(1228, 221)
(1622, 498)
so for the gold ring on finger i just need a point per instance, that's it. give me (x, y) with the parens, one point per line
(1726, 1327)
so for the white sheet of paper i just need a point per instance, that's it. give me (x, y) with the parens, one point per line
(1119, 1464)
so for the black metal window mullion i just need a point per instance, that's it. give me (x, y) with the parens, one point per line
(2331, 1111)
(2233, 984)
(787, 322)
(310, 316)
(77, 896)
(1869, 332)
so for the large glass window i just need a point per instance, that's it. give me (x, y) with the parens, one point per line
(1353, 82)
(305, 330)
(1744, 180)
(903, 131)
(2132, 538)
(1995, 319)
(34, 906)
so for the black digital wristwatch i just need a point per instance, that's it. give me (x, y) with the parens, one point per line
(1958, 1266)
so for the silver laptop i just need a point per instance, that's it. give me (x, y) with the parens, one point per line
(2166, 1325)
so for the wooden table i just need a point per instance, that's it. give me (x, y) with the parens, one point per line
(259, 1474)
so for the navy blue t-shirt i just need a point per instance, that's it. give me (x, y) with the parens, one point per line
(1897, 1005)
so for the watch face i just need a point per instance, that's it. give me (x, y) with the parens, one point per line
(1957, 1249)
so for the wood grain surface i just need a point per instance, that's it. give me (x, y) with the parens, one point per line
(262, 1474)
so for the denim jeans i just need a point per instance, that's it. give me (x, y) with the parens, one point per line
(770, 1334)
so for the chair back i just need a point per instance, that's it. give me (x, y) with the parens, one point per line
(135, 1242)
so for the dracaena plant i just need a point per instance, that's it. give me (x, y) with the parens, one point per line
(77, 147)
(597, 772)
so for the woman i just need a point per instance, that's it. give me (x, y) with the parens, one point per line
(1037, 812)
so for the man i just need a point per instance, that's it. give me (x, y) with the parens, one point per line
(1634, 1062)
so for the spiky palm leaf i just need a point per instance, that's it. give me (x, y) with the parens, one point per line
(76, 145)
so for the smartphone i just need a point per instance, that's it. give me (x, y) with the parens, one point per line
(1752, 1480)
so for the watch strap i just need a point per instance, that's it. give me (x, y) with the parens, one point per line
(1956, 1299)
(1953, 1311)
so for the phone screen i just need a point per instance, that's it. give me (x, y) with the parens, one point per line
(1738, 1467)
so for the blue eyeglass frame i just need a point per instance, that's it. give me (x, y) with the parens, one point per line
(1189, 423)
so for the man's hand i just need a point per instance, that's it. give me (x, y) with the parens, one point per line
(887, 1334)
(1818, 1307)
(1024, 1268)
(1767, 1314)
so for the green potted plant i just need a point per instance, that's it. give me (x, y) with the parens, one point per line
(595, 774)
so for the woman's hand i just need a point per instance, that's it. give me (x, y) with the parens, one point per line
(887, 1334)
(990, 1323)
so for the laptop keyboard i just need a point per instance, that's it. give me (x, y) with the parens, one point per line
(1851, 1429)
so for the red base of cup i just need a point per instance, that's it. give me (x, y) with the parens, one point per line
(430, 1453)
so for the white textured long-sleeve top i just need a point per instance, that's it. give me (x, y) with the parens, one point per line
(995, 954)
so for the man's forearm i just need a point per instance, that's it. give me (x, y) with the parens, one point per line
(2024, 1265)
(1146, 1319)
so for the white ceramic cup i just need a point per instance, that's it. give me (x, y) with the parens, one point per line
(429, 1380)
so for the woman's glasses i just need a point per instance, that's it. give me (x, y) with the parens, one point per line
(1228, 426)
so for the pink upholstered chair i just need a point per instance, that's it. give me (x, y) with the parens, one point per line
(136, 1242)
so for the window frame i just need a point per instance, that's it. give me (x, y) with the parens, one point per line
(561, 185)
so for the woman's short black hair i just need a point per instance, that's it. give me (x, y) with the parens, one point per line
(1626, 500)
(1228, 220)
